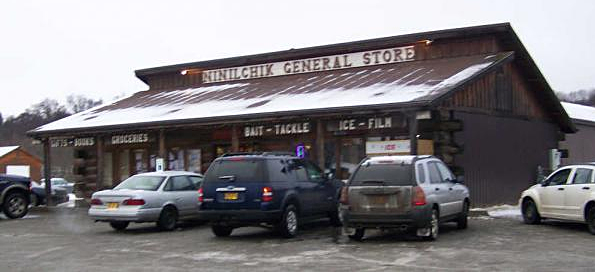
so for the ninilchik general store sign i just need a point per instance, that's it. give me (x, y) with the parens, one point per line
(334, 62)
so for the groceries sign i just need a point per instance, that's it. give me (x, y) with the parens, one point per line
(335, 62)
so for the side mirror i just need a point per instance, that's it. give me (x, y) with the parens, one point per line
(460, 179)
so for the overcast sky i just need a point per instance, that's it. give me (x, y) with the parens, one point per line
(56, 48)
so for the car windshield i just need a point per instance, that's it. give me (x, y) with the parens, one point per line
(59, 182)
(383, 174)
(147, 183)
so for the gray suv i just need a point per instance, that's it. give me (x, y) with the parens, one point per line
(403, 192)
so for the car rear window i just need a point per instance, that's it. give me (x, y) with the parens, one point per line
(147, 183)
(240, 170)
(383, 174)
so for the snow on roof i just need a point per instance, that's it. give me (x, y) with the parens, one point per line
(416, 81)
(7, 149)
(579, 112)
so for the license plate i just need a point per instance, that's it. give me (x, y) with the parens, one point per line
(230, 196)
(112, 205)
(379, 200)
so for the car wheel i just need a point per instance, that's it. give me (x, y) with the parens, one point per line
(434, 226)
(15, 205)
(288, 226)
(335, 216)
(34, 201)
(530, 214)
(591, 220)
(119, 225)
(221, 231)
(167, 219)
(462, 220)
(358, 235)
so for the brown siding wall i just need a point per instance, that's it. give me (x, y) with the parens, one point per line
(18, 157)
(580, 145)
(501, 155)
(503, 91)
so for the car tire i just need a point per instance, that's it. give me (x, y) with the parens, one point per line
(34, 201)
(434, 226)
(463, 217)
(221, 231)
(288, 226)
(530, 214)
(15, 205)
(119, 225)
(168, 219)
(335, 216)
(358, 235)
(591, 220)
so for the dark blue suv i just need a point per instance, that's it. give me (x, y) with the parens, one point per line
(266, 189)
(14, 195)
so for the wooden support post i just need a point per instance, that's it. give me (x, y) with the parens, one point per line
(162, 151)
(235, 141)
(99, 181)
(412, 123)
(320, 144)
(338, 144)
(47, 171)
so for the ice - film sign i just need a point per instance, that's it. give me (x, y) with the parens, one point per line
(365, 123)
(277, 129)
(300, 66)
(75, 142)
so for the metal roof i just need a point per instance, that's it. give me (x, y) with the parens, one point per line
(382, 86)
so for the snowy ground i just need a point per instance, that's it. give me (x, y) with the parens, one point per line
(68, 240)
(71, 201)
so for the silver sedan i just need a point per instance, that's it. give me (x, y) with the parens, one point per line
(162, 197)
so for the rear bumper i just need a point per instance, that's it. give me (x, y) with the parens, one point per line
(418, 217)
(131, 215)
(240, 217)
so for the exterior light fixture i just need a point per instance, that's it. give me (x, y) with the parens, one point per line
(184, 72)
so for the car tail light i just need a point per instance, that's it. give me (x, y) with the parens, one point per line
(133, 202)
(344, 196)
(419, 197)
(267, 194)
(200, 195)
(96, 201)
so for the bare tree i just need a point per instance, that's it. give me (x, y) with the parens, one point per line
(78, 103)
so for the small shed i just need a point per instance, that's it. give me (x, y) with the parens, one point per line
(580, 145)
(15, 160)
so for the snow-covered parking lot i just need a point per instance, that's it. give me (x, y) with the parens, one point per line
(65, 239)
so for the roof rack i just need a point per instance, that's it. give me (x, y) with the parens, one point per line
(259, 153)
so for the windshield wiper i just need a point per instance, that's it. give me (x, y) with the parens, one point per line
(228, 178)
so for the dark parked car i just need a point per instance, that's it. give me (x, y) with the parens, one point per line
(266, 188)
(62, 183)
(403, 192)
(14, 195)
(59, 194)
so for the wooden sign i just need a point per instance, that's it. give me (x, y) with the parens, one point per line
(277, 129)
(300, 66)
(133, 138)
(365, 123)
(72, 142)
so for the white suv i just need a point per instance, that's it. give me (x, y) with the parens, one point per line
(566, 194)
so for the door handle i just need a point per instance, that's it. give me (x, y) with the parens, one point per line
(437, 189)
(586, 188)
(450, 189)
(560, 189)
